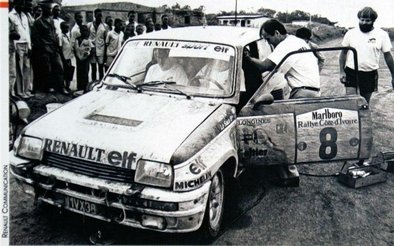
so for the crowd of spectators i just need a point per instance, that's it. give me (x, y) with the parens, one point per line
(47, 53)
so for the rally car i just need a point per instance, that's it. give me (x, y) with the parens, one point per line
(156, 144)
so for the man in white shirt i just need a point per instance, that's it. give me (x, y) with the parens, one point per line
(98, 32)
(114, 42)
(166, 69)
(369, 42)
(214, 75)
(67, 56)
(57, 20)
(22, 50)
(75, 30)
(301, 72)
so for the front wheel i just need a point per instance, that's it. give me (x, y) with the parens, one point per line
(213, 217)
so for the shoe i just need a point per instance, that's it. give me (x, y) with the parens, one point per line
(24, 96)
(28, 94)
(65, 92)
(289, 176)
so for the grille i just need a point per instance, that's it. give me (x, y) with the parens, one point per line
(89, 168)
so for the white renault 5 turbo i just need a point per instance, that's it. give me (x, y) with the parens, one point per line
(156, 143)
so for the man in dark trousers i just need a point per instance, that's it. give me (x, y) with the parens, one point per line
(47, 64)
(301, 72)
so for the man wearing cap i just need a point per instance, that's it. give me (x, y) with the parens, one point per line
(369, 42)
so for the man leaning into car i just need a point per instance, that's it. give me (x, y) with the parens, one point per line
(301, 72)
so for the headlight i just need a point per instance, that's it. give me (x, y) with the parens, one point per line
(30, 147)
(153, 173)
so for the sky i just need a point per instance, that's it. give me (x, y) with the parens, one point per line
(342, 11)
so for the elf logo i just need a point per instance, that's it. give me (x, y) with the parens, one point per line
(197, 167)
(114, 158)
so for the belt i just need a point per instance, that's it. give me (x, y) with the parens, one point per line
(306, 88)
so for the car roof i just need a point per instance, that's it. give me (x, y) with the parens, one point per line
(236, 36)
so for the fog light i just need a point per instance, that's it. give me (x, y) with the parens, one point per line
(153, 222)
(28, 189)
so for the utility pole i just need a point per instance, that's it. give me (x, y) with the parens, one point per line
(235, 21)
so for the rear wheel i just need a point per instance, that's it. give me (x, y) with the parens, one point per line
(213, 217)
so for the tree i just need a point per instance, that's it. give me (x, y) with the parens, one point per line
(186, 7)
(176, 6)
(267, 12)
(282, 17)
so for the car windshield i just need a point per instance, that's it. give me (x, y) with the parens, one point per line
(177, 67)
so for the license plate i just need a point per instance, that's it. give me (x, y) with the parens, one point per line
(81, 205)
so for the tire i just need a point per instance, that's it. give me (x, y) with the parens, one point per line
(214, 212)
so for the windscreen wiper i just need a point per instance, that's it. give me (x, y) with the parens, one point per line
(164, 82)
(122, 78)
(156, 82)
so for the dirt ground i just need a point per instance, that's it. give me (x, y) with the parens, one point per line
(320, 211)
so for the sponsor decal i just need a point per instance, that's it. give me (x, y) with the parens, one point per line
(254, 122)
(195, 183)
(327, 117)
(217, 49)
(281, 128)
(166, 44)
(254, 153)
(197, 167)
(327, 134)
(226, 121)
(114, 158)
(221, 49)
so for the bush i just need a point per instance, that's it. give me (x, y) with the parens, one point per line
(321, 32)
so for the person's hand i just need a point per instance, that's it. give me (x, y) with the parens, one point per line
(342, 77)
(246, 55)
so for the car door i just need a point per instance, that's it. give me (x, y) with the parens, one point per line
(309, 130)
(304, 131)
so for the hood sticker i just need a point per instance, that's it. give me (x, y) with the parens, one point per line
(114, 158)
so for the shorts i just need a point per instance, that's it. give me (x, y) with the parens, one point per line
(368, 81)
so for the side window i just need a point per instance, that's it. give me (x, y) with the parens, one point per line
(252, 76)
(264, 49)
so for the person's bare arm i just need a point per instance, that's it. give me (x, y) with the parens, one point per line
(390, 64)
(342, 62)
(263, 66)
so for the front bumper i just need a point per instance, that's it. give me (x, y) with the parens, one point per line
(127, 204)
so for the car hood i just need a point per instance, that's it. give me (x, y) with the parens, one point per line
(113, 124)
